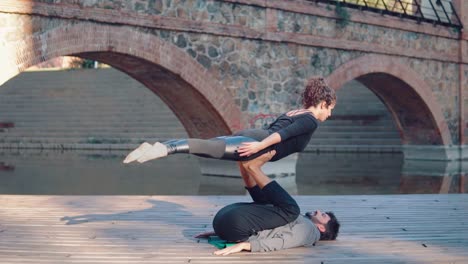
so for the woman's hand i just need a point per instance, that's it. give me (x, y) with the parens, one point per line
(233, 249)
(249, 148)
(205, 234)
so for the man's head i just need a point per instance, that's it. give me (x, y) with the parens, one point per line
(327, 224)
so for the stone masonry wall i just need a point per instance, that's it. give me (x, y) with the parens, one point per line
(193, 10)
(265, 55)
(465, 91)
(107, 109)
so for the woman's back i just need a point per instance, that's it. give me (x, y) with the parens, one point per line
(295, 132)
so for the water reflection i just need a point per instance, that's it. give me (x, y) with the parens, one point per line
(102, 173)
(420, 176)
(90, 172)
(349, 173)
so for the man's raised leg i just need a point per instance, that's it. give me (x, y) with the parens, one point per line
(251, 186)
(285, 205)
(253, 168)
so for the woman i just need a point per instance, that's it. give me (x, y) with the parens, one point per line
(289, 133)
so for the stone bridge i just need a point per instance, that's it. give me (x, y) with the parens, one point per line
(219, 64)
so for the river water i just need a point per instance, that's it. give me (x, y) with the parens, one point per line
(103, 173)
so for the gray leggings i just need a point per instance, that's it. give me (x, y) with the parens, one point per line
(220, 147)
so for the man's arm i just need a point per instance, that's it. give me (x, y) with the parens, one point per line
(249, 148)
(205, 234)
(233, 249)
(301, 126)
(264, 245)
(302, 234)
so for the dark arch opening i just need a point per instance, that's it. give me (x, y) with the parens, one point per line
(195, 112)
(411, 115)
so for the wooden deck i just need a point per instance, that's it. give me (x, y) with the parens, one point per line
(159, 229)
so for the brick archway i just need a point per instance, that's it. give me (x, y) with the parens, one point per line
(203, 107)
(415, 111)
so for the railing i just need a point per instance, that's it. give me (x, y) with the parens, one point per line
(437, 12)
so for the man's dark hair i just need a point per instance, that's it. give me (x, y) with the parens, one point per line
(332, 228)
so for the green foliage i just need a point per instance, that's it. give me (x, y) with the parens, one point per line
(456, 30)
(102, 140)
(87, 64)
(79, 63)
(342, 14)
(315, 61)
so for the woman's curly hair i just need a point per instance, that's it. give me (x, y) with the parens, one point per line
(316, 91)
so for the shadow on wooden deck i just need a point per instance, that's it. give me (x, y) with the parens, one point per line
(160, 229)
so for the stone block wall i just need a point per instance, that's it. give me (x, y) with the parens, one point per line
(260, 53)
(107, 109)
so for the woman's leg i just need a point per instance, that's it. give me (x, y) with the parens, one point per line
(224, 147)
(217, 148)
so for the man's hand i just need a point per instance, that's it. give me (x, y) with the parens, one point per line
(249, 148)
(205, 234)
(233, 249)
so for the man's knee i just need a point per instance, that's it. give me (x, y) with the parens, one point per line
(229, 224)
(293, 212)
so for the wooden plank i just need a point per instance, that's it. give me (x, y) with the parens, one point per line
(160, 229)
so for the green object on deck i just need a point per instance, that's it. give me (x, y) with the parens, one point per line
(219, 243)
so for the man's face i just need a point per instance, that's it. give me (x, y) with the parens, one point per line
(320, 219)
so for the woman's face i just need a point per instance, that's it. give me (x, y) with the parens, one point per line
(324, 111)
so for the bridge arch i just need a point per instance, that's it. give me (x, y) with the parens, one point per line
(204, 108)
(417, 114)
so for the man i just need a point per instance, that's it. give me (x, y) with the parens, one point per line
(273, 221)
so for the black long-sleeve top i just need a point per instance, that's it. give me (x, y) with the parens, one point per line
(295, 132)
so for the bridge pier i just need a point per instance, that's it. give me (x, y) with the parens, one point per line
(283, 171)
(435, 176)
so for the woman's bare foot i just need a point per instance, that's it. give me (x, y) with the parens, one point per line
(137, 153)
(158, 150)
